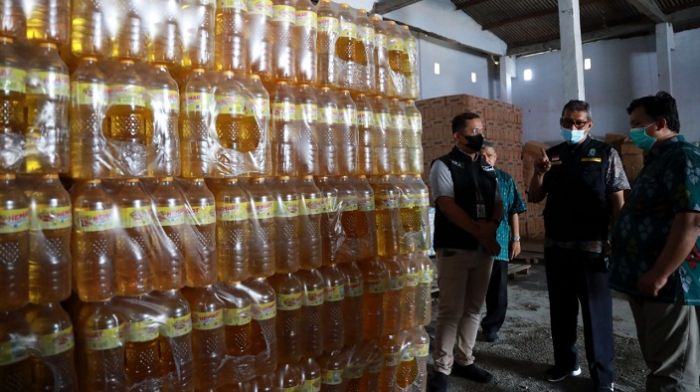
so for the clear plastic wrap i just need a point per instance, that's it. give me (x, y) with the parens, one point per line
(232, 36)
(398, 152)
(413, 84)
(347, 48)
(263, 246)
(283, 45)
(364, 80)
(414, 139)
(367, 132)
(305, 34)
(347, 143)
(382, 146)
(387, 198)
(397, 57)
(197, 24)
(328, 34)
(414, 233)
(311, 211)
(288, 225)
(260, 38)
(307, 143)
(286, 126)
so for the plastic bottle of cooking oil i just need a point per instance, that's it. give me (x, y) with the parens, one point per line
(288, 225)
(47, 21)
(254, 130)
(414, 139)
(348, 136)
(239, 365)
(208, 336)
(47, 90)
(397, 138)
(407, 371)
(420, 340)
(311, 210)
(423, 292)
(49, 240)
(164, 102)
(101, 333)
(375, 361)
(93, 242)
(329, 220)
(366, 130)
(14, 22)
(367, 219)
(14, 244)
(142, 352)
(312, 313)
(355, 369)
(165, 47)
(305, 49)
(365, 81)
(327, 136)
(327, 36)
(397, 57)
(16, 365)
(346, 48)
(383, 122)
(413, 90)
(89, 96)
(347, 240)
(386, 197)
(12, 99)
(311, 371)
(382, 68)
(200, 252)
(333, 365)
(376, 280)
(354, 293)
(176, 356)
(285, 131)
(392, 296)
(390, 346)
(197, 115)
(171, 214)
(198, 35)
(231, 120)
(233, 231)
(290, 298)
(231, 35)
(415, 227)
(53, 357)
(264, 320)
(135, 260)
(264, 231)
(289, 377)
(88, 29)
(411, 267)
(307, 145)
(260, 37)
(283, 22)
(333, 317)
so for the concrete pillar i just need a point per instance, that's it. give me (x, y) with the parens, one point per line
(664, 45)
(506, 68)
(571, 49)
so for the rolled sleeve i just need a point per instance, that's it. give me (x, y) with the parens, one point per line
(616, 179)
(518, 206)
(441, 183)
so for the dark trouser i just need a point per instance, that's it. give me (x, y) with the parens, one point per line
(496, 298)
(573, 277)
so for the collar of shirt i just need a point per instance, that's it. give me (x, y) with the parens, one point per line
(660, 148)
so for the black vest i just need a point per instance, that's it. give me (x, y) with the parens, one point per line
(577, 207)
(465, 175)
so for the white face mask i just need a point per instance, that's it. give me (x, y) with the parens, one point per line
(573, 136)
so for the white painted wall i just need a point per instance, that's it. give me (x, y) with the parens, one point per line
(621, 71)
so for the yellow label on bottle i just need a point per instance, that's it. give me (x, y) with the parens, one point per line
(348, 29)
(287, 209)
(263, 209)
(335, 293)
(231, 104)
(260, 7)
(14, 221)
(328, 25)
(142, 331)
(91, 94)
(312, 385)
(234, 4)
(328, 115)
(412, 279)
(348, 203)
(289, 302)
(314, 297)
(175, 327)
(311, 206)
(330, 204)
(13, 79)
(380, 41)
(131, 217)
(421, 350)
(284, 14)
(265, 311)
(308, 112)
(232, 212)
(171, 215)
(422, 199)
(407, 354)
(206, 321)
(366, 34)
(51, 218)
(426, 276)
(202, 215)
(332, 377)
(104, 339)
(56, 343)
(400, 122)
(366, 203)
(376, 288)
(397, 44)
(338, 116)
(386, 202)
(349, 116)
(396, 283)
(258, 107)
(199, 102)
(392, 359)
(307, 19)
(406, 200)
(236, 317)
(53, 84)
(365, 118)
(284, 111)
(383, 120)
(127, 94)
(165, 100)
(355, 289)
(94, 220)
(13, 352)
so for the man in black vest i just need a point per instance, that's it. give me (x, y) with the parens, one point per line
(583, 181)
(468, 210)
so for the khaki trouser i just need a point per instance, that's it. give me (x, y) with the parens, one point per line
(669, 336)
(463, 278)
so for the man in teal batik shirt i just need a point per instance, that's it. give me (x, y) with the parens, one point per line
(655, 247)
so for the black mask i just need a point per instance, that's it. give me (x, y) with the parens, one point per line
(475, 142)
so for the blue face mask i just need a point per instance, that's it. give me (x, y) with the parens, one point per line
(639, 137)
(573, 136)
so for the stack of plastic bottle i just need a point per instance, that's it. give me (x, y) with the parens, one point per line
(239, 204)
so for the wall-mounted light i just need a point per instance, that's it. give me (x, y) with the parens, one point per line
(473, 77)
(436, 68)
(587, 64)
(527, 75)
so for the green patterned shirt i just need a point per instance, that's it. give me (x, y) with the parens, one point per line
(512, 204)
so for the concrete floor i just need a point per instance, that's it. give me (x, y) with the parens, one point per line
(524, 352)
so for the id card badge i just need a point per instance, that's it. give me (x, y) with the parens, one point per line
(480, 211)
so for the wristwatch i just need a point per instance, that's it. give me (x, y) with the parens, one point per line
(516, 239)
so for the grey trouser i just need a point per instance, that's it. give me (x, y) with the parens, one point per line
(669, 336)
(463, 278)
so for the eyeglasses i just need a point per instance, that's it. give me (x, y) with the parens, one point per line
(568, 123)
(472, 132)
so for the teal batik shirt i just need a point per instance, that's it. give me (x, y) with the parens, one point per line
(669, 184)
(512, 204)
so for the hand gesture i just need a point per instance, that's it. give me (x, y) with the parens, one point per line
(543, 164)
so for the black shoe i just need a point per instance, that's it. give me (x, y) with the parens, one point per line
(472, 372)
(437, 382)
(556, 375)
(491, 337)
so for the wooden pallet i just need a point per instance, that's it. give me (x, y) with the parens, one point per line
(515, 269)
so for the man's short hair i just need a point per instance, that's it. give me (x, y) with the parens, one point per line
(576, 105)
(460, 121)
(489, 144)
(661, 105)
